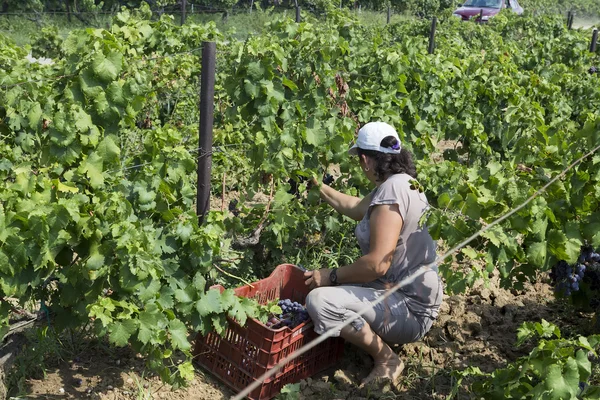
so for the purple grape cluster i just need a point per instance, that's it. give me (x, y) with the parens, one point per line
(567, 277)
(293, 314)
(328, 179)
(593, 70)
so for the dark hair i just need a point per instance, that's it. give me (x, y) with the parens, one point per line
(390, 163)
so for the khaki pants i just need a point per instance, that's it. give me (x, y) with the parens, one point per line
(392, 320)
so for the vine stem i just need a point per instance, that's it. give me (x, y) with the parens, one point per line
(223, 192)
(233, 276)
(267, 208)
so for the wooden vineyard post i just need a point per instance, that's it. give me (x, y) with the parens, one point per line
(432, 35)
(570, 17)
(183, 5)
(207, 106)
(389, 14)
(68, 4)
(298, 19)
(594, 40)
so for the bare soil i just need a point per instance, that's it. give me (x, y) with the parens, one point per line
(475, 329)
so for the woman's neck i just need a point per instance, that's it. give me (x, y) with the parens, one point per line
(379, 183)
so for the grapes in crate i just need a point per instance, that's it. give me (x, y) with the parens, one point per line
(292, 315)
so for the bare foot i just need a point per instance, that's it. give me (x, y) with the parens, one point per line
(385, 369)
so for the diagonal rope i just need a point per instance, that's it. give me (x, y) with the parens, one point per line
(406, 281)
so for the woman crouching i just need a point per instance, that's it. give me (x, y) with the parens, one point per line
(394, 246)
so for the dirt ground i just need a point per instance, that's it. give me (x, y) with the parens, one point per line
(475, 329)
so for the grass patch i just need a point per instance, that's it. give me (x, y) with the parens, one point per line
(241, 24)
(23, 30)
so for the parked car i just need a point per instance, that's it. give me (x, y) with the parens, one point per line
(489, 8)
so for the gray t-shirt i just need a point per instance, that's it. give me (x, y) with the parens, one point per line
(415, 247)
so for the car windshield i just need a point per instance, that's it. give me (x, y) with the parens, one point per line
(483, 3)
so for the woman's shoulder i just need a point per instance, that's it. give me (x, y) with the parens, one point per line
(393, 187)
(401, 185)
(398, 180)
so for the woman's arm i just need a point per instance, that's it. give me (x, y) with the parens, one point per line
(386, 225)
(350, 206)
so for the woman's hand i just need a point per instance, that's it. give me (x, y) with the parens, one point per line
(314, 181)
(317, 278)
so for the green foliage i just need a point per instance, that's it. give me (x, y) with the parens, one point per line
(581, 7)
(122, 244)
(266, 310)
(556, 368)
(291, 391)
(98, 159)
(47, 44)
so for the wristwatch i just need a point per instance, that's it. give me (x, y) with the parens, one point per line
(333, 277)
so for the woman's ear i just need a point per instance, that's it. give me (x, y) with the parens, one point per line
(366, 161)
(363, 158)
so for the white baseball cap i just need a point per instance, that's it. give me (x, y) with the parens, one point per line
(371, 135)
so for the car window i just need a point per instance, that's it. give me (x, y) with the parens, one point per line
(483, 3)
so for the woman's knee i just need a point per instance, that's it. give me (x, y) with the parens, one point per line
(315, 301)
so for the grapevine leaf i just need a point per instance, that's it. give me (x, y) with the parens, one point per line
(187, 295)
(108, 150)
(184, 231)
(583, 364)
(165, 298)
(228, 299)
(5, 266)
(92, 166)
(583, 342)
(149, 291)
(150, 320)
(242, 309)
(219, 323)
(107, 68)
(562, 247)
(282, 197)
(255, 70)
(96, 259)
(563, 384)
(472, 208)
(34, 115)
(114, 93)
(186, 370)
(289, 84)
(591, 232)
(210, 302)
(121, 331)
(536, 254)
(314, 132)
(66, 188)
(494, 167)
(179, 335)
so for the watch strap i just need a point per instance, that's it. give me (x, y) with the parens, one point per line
(333, 277)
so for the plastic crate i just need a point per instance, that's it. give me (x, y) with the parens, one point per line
(244, 353)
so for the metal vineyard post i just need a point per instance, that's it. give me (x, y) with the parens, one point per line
(207, 97)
